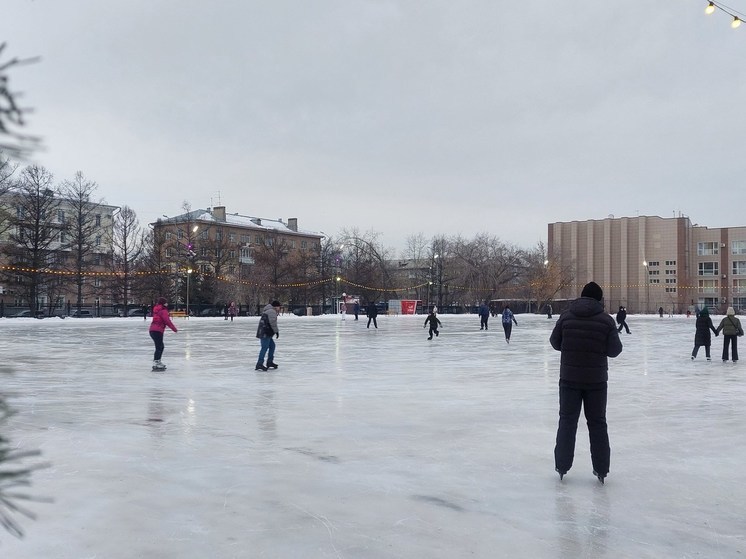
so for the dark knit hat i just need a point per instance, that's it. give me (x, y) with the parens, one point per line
(162, 300)
(275, 303)
(592, 290)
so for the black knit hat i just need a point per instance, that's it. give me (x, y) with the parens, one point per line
(275, 304)
(592, 290)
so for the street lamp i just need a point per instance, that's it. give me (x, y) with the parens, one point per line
(439, 263)
(189, 273)
(647, 286)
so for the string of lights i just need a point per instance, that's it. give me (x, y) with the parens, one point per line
(737, 16)
(521, 288)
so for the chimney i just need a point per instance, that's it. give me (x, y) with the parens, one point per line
(293, 224)
(218, 212)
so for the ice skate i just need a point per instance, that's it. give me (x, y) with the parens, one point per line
(158, 365)
(271, 365)
(599, 476)
(260, 367)
(561, 474)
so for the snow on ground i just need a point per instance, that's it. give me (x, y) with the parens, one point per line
(367, 443)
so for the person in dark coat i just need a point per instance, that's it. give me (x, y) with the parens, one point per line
(372, 312)
(586, 336)
(702, 334)
(621, 319)
(434, 323)
(484, 316)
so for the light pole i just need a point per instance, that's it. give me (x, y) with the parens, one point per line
(647, 286)
(189, 273)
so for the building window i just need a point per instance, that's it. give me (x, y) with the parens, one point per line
(97, 282)
(62, 236)
(654, 272)
(218, 234)
(708, 269)
(258, 239)
(670, 280)
(709, 302)
(739, 268)
(670, 290)
(708, 286)
(304, 244)
(98, 240)
(670, 262)
(180, 234)
(739, 303)
(653, 264)
(738, 247)
(708, 249)
(204, 252)
(231, 254)
(60, 216)
(98, 220)
(670, 272)
(655, 281)
(739, 285)
(245, 239)
(231, 269)
(168, 235)
(231, 237)
(97, 259)
(169, 252)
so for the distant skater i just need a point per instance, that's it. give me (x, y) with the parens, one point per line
(161, 319)
(702, 333)
(356, 309)
(484, 316)
(232, 310)
(731, 328)
(508, 320)
(586, 336)
(660, 312)
(432, 319)
(621, 319)
(343, 306)
(266, 329)
(549, 310)
(372, 312)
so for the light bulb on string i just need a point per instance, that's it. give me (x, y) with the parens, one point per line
(710, 8)
(736, 22)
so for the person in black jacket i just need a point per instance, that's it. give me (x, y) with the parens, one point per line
(702, 334)
(586, 336)
(434, 323)
(621, 319)
(372, 311)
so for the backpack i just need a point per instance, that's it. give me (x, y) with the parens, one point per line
(265, 329)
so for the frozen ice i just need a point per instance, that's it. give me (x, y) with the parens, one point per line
(367, 443)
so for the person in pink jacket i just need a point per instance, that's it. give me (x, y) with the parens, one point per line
(161, 319)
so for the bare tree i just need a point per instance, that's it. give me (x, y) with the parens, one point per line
(12, 114)
(35, 233)
(127, 246)
(7, 170)
(81, 227)
(154, 279)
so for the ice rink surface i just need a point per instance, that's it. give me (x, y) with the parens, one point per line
(367, 443)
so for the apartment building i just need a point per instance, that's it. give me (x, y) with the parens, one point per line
(221, 243)
(648, 262)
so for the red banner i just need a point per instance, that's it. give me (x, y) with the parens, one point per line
(408, 307)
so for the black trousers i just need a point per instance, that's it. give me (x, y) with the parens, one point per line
(483, 322)
(728, 339)
(623, 324)
(158, 341)
(373, 318)
(592, 398)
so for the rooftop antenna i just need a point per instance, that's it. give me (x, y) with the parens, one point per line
(211, 199)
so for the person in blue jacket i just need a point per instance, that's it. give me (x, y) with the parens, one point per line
(508, 320)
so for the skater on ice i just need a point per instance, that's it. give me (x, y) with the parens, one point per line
(232, 310)
(731, 328)
(161, 319)
(372, 312)
(702, 333)
(586, 336)
(484, 316)
(508, 320)
(621, 319)
(432, 319)
(265, 331)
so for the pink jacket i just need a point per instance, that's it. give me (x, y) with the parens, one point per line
(161, 320)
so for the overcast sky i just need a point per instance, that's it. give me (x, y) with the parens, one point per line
(401, 117)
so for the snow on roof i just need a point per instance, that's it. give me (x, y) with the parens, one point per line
(259, 223)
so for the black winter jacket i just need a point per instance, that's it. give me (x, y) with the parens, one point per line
(704, 325)
(587, 337)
